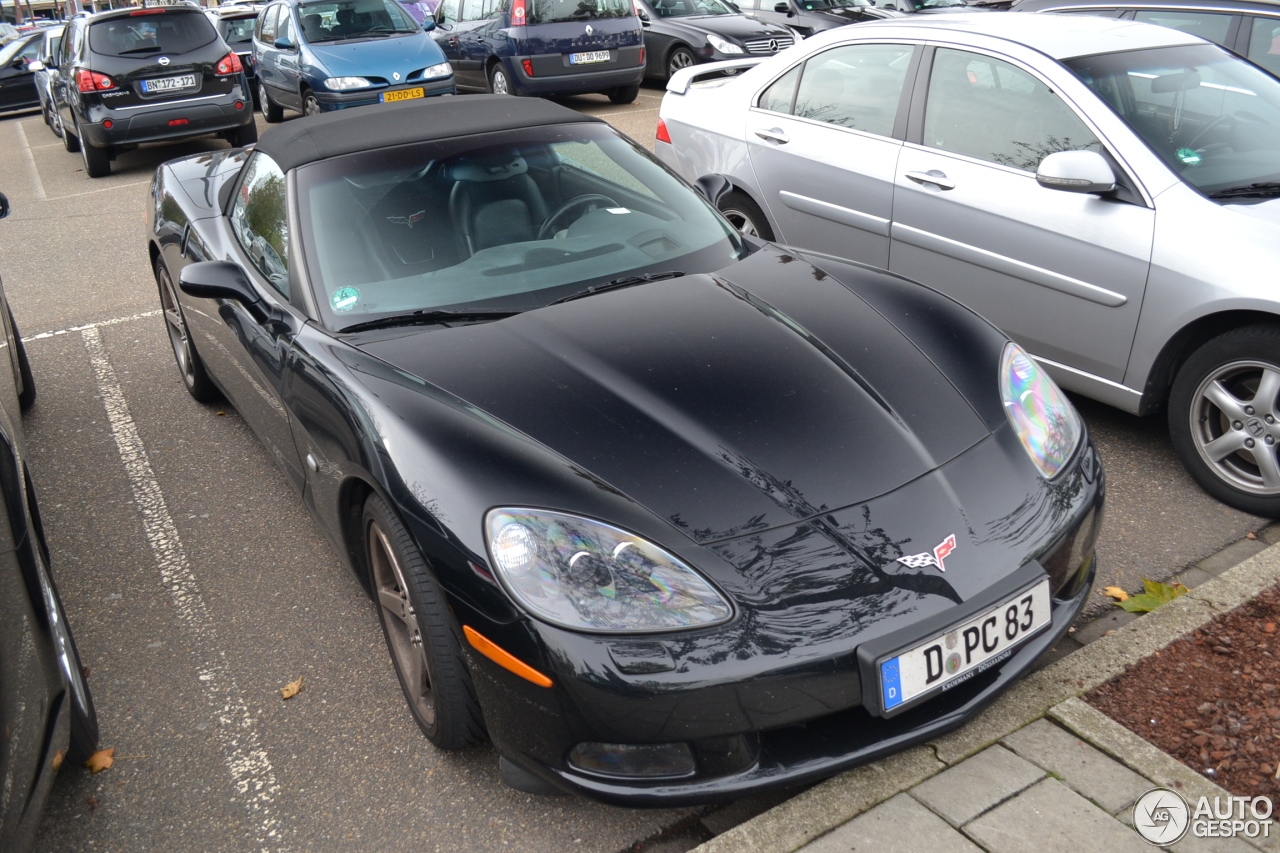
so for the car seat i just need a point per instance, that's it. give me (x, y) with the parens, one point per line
(313, 27)
(494, 202)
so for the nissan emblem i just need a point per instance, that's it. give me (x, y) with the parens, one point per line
(164, 60)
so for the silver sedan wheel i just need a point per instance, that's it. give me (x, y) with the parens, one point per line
(401, 623)
(741, 221)
(177, 327)
(1235, 423)
(499, 82)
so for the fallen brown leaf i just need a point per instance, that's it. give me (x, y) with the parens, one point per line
(1251, 535)
(57, 759)
(291, 689)
(101, 760)
(1116, 592)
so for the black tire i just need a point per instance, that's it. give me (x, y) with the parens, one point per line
(424, 640)
(499, 82)
(190, 366)
(70, 141)
(679, 58)
(84, 715)
(244, 135)
(310, 104)
(271, 111)
(97, 161)
(26, 382)
(745, 215)
(1224, 418)
(624, 94)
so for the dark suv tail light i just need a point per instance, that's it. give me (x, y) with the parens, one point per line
(92, 81)
(518, 18)
(230, 64)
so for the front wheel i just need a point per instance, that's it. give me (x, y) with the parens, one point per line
(422, 636)
(679, 59)
(54, 121)
(624, 94)
(194, 377)
(499, 83)
(310, 105)
(745, 215)
(1224, 418)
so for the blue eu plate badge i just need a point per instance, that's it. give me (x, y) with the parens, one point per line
(891, 683)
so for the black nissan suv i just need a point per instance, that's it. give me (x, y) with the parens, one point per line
(149, 74)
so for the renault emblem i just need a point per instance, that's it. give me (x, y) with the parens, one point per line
(589, 30)
(164, 60)
(395, 76)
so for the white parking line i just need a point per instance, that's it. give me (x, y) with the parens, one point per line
(247, 761)
(42, 335)
(39, 184)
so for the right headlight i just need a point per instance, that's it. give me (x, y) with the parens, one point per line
(443, 69)
(340, 84)
(724, 45)
(590, 576)
(1044, 419)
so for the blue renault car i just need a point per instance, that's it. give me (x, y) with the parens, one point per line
(543, 47)
(318, 55)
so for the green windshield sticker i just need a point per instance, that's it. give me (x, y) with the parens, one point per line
(1188, 156)
(345, 298)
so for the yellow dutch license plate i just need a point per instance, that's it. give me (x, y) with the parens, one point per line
(402, 95)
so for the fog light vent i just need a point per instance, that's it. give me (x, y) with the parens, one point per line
(633, 760)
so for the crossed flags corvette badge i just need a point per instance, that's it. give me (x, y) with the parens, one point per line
(940, 553)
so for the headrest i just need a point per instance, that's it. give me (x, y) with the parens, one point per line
(498, 167)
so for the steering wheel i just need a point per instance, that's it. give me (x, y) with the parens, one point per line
(589, 201)
(1203, 132)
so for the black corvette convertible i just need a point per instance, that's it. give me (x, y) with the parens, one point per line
(669, 514)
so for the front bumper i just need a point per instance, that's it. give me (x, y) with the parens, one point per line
(364, 97)
(777, 698)
(167, 122)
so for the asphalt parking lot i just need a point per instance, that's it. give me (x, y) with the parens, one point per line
(198, 585)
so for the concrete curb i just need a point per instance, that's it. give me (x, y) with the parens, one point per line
(794, 823)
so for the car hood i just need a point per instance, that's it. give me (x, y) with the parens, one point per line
(377, 57)
(737, 27)
(1267, 211)
(724, 403)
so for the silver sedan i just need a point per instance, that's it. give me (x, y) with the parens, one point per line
(1108, 192)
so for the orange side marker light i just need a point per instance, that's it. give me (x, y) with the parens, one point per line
(503, 658)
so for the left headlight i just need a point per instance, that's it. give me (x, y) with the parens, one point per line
(339, 84)
(587, 575)
(444, 69)
(724, 46)
(1044, 419)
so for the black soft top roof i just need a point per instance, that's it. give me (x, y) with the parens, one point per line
(383, 125)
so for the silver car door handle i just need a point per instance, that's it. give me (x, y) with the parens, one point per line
(933, 176)
(774, 135)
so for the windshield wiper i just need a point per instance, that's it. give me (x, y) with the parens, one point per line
(1263, 189)
(618, 283)
(422, 318)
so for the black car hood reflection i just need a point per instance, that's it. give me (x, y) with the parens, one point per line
(724, 405)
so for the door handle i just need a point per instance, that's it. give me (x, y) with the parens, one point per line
(774, 135)
(934, 177)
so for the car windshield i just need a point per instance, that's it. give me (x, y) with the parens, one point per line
(1213, 117)
(502, 227)
(550, 11)
(328, 20)
(151, 31)
(690, 8)
(10, 50)
(238, 30)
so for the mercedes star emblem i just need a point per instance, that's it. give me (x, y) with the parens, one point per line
(164, 60)
(773, 45)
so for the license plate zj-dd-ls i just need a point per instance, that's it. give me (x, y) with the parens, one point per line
(950, 658)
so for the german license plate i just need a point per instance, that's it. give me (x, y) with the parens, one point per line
(587, 58)
(948, 659)
(402, 95)
(168, 84)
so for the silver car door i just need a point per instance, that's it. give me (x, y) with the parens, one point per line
(822, 146)
(1063, 273)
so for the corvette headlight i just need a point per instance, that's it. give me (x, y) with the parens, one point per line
(587, 575)
(444, 69)
(1044, 419)
(724, 46)
(339, 84)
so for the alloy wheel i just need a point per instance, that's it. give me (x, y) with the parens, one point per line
(500, 85)
(177, 327)
(680, 59)
(401, 623)
(310, 106)
(1235, 424)
(741, 221)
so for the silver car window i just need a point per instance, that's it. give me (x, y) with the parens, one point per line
(1264, 43)
(857, 86)
(992, 110)
(779, 97)
(1208, 25)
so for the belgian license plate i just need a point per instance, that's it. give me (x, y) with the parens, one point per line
(949, 659)
(168, 84)
(587, 58)
(402, 95)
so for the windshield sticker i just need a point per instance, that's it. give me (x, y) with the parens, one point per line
(617, 210)
(345, 298)
(1188, 156)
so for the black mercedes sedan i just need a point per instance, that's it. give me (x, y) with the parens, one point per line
(680, 33)
(47, 717)
(669, 514)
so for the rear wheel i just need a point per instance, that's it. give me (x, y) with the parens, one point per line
(70, 141)
(242, 136)
(97, 161)
(194, 377)
(745, 215)
(272, 112)
(310, 104)
(679, 58)
(26, 382)
(499, 83)
(624, 94)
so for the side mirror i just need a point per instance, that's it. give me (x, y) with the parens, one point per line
(428, 25)
(713, 188)
(18, 63)
(782, 9)
(283, 44)
(4, 205)
(1076, 172)
(217, 280)
(643, 15)
(35, 65)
